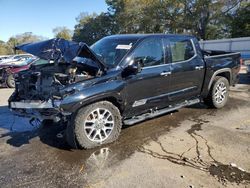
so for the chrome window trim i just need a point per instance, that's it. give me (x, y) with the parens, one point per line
(154, 66)
(164, 64)
(190, 59)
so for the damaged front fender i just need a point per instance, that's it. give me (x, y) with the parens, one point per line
(101, 91)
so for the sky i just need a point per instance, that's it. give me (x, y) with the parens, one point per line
(41, 16)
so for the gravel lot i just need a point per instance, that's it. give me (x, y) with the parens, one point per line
(192, 147)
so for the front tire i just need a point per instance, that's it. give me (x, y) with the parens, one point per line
(218, 94)
(96, 124)
(10, 81)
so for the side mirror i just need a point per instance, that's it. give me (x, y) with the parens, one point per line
(134, 67)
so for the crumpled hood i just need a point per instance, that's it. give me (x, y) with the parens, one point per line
(57, 48)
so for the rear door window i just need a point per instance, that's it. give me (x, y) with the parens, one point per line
(181, 50)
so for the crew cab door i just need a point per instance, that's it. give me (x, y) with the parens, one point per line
(145, 90)
(187, 69)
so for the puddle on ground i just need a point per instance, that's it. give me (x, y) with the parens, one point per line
(197, 126)
(229, 173)
(11, 123)
(221, 171)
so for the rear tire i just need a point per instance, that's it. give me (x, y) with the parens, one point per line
(218, 94)
(10, 81)
(96, 124)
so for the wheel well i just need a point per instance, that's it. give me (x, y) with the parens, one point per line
(112, 100)
(225, 75)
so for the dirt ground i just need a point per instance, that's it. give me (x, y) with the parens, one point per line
(193, 147)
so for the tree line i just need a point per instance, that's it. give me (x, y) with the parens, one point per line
(206, 19)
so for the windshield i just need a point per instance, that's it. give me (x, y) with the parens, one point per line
(112, 50)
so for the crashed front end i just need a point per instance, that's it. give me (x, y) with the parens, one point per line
(36, 110)
(37, 95)
(40, 91)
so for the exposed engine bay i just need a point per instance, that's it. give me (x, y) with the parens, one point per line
(40, 90)
(44, 82)
(73, 62)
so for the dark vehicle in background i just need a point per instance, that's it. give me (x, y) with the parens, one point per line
(7, 71)
(121, 79)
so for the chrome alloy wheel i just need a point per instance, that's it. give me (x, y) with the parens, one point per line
(12, 82)
(220, 92)
(99, 125)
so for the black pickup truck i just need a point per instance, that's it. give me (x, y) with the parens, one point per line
(121, 79)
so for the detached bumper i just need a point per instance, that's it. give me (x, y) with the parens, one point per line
(39, 109)
(31, 105)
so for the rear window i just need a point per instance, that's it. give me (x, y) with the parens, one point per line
(181, 50)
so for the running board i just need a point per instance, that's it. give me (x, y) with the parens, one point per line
(156, 113)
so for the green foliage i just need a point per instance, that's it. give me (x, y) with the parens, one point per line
(91, 28)
(23, 38)
(171, 16)
(241, 22)
(8, 47)
(206, 19)
(145, 16)
(4, 48)
(62, 32)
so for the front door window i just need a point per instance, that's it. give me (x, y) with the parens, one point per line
(150, 52)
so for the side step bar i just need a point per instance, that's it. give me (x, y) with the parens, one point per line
(156, 113)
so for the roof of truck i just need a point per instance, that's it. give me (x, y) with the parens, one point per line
(141, 36)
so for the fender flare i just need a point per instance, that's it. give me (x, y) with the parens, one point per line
(99, 97)
(102, 97)
(224, 70)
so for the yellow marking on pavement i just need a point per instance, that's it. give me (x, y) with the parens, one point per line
(82, 167)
